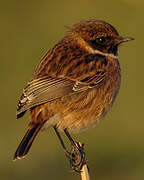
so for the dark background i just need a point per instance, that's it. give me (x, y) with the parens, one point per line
(115, 148)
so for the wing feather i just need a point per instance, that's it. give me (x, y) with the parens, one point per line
(43, 90)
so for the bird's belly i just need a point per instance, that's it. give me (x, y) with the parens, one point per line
(72, 122)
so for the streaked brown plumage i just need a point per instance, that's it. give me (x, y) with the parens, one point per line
(75, 83)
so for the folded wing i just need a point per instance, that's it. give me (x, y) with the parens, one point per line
(42, 90)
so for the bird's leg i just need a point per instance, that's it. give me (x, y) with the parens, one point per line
(77, 156)
(77, 159)
(68, 154)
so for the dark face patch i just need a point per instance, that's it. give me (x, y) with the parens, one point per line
(104, 44)
(113, 50)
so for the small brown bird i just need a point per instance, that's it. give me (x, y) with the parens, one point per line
(75, 84)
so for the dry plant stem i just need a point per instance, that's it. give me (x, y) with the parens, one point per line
(84, 173)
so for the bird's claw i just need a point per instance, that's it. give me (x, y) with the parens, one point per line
(77, 157)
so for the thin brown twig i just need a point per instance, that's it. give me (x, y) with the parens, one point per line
(84, 173)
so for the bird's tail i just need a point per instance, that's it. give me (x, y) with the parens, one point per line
(27, 141)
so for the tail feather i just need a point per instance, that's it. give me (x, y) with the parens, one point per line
(27, 141)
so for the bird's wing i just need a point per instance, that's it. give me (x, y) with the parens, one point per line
(42, 90)
(93, 80)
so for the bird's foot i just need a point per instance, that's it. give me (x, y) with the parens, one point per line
(77, 157)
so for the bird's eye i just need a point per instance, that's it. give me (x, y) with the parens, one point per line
(101, 40)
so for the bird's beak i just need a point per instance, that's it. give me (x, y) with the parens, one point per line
(125, 39)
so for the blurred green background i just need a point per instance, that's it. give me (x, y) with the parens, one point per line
(115, 148)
